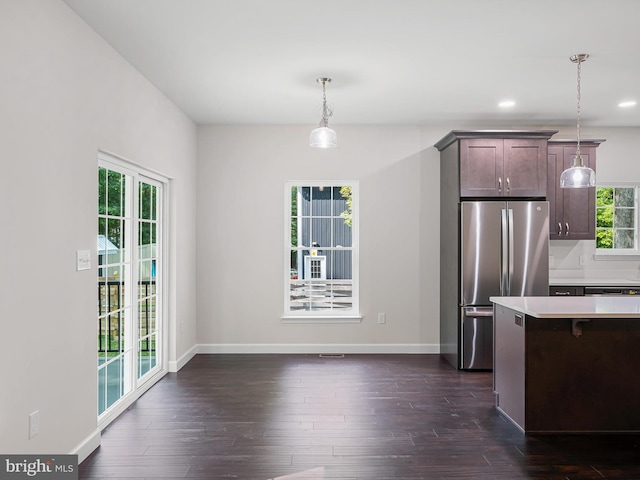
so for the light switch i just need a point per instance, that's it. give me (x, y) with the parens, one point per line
(83, 260)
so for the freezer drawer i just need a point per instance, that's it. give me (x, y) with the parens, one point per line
(476, 344)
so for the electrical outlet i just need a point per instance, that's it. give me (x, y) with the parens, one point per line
(34, 424)
(583, 260)
(382, 317)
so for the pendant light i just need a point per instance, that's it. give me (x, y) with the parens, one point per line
(323, 136)
(579, 175)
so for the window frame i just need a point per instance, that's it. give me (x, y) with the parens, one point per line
(626, 253)
(351, 315)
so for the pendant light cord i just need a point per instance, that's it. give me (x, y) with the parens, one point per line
(326, 111)
(578, 108)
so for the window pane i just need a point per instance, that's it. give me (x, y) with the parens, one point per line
(102, 297)
(144, 239)
(293, 266)
(115, 192)
(342, 295)
(102, 191)
(114, 381)
(341, 233)
(604, 238)
(144, 204)
(604, 196)
(623, 197)
(102, 390)
(604, 217)
(623, 218)
(114, 298)
(342, 264)
(340, 195)
(146, 355)
(103, 340)
(623, 239)
(114, 232)
(144, 275)
(154, 203)
(304, 232)
(321, 201)
(304, 201)
(321, 232)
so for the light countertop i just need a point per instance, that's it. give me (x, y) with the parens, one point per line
(573, 307)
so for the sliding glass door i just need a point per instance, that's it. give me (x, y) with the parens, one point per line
(130, 259)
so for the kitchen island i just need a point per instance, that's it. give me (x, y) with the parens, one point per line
(568, 364)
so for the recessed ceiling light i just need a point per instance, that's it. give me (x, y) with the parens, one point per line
(629, 103)
(506, 104)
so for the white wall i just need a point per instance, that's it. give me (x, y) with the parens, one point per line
(66, 94)
(241, 171)
(241, 175)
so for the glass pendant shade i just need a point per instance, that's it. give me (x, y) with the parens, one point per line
(578, 176)
(323, 137)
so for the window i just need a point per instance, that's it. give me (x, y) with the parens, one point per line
(321, 242)
(617, 219)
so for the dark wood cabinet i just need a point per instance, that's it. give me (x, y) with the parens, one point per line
(571, 210)
(503, 167)
(494, 163)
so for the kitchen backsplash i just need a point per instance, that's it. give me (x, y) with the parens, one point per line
(577, 258)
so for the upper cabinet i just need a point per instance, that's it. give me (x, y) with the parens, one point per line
(503, 167)
(497, 163)
(571, 210)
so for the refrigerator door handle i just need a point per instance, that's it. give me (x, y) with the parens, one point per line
(504, 258)
(511, 253)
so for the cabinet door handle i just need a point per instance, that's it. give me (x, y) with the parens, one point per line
(508, 185)
(559, 228)
(566, 229)
(500, 184)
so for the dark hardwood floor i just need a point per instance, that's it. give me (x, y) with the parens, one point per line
(359, 417)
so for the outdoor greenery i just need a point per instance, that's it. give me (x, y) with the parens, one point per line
(604, 217)
(347, 214)
(111, 203)
(616, 216)
(112, 207)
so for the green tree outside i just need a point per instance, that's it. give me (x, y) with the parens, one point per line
(604, 217)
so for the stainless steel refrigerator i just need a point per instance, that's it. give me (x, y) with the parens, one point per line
(504, 251)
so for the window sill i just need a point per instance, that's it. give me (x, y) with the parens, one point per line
(619, 255)
(322, 319)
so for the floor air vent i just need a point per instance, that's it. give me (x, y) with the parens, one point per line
(331, 355)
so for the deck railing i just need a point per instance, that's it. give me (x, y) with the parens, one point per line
(110, 314)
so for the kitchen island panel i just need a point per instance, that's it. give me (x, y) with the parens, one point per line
(509, 351)
(572, 375)
(582, 384)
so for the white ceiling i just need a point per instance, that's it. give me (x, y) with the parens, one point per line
(393, 62)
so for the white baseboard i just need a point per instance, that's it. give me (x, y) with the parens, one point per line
(392, 348)
(183, 360)
(87, 446)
